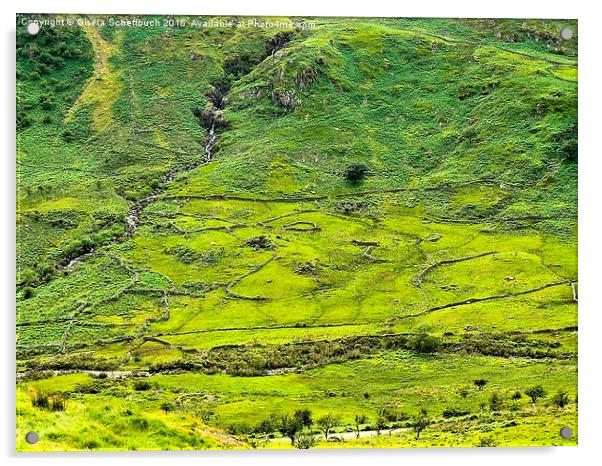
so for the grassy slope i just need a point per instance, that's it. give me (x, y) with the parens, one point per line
(468, 128)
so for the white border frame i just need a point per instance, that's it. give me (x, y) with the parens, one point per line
(590, 320)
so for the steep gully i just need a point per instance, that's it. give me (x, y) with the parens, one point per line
(132, 219)
(211, 118)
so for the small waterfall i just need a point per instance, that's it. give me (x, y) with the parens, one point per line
(211, 119)
(212, 136)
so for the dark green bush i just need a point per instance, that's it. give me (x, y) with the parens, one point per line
(454, 412)
(425, 343)
(535, 393)
(168, 407)
(560, 398)
(142, 385)
(356, 172)
(40, 400)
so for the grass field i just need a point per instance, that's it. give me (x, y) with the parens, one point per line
(327, 233)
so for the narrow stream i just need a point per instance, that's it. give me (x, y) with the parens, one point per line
(211, 119)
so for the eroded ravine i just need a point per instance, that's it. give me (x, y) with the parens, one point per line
(211, 118)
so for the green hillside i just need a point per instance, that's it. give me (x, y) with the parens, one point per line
(220, 228)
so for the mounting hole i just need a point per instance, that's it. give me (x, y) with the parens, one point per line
(32, 437)
(33, 28)
(566, 33)
(566, 432)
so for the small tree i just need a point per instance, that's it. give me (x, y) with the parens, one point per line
(305, 417)
(480, 383)
(420, 423)
(535, 393)
(359, 419)
(168, 407)
(356, 172)
(560, 398)
(266, 426)
(290, 427)
(381, 423)
(328, 422)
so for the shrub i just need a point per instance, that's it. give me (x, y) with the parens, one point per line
(237, 66)
(239, 428)
(569, 146)
(36, 374)
(356, 172)
(27, 277)
(495, 401)
(454, 412)
(570, 149)
(260, 242)
(305, 440)
(184, 254)
(27, 292)
(535, 393)
(44, 270)
(480, 383)
(40, 400)
(58, 403)
(425, 343)
(23, 120)
(90, 444)
(266, 426)
(78, 247)
(486, 442)
(560, 399)
(46, 102)
(392, 414)
(68, 135)
(142, 385)
(168, 407)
